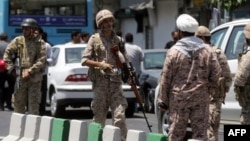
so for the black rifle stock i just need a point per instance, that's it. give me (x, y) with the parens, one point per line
(130, 74)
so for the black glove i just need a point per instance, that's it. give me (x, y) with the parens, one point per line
(162, 105)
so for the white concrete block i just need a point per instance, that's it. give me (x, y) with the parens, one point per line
(111, 133)
(45, 128)
(78, 130)
(32, 126)
(136, 135)
(17, 125)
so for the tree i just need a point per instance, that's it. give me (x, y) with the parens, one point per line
(229, 5)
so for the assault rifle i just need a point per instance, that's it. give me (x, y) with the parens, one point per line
(129, 74)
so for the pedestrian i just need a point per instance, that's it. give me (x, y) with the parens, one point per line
(170, 43)
(101, 56)
(242, 80)
(188, 69)
(40, 34)
(75, 37)
(7, 81)
(134, 53)
(85, 37)
(30, 57)
(217, 97)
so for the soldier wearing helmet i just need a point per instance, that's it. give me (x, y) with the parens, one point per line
(29, 64)
(102, 56)
(225, 81)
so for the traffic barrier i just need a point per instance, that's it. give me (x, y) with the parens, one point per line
(156, 137)
(16, 130)
(95, 132)
(60, 129)
(32, 126)
(78, 130)
(136, 135)
(111, 133)
(45, 129)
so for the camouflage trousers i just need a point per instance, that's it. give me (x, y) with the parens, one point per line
(108, 94)
(245, 115)
(179, 118)
(28, 93)
(214, 120)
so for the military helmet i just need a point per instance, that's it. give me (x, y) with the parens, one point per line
(103, 14)
(29, 22)
(202, 31)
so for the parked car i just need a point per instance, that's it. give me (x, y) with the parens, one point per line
(151, 67)
(230, 38)
(68, 83)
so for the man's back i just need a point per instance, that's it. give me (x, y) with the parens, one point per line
(135, 55)
(191, 69)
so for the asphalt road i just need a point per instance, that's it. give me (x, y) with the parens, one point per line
(137, 122)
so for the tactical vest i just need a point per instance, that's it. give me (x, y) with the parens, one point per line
(94, 73)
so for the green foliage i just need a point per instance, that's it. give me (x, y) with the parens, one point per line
(229, 5)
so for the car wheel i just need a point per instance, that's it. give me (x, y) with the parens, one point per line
(162, 122)
(130, 109)
(148, 101)
(55, 109)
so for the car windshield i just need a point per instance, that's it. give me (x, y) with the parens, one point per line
(154, 60)
(73, 55)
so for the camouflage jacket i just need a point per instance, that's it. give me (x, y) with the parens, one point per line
(190, 66)
(31, 53)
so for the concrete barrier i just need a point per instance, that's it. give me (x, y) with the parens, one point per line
(45, 128)
(17, 125)
(111, 133)
(95, 131)
(60, 129)
(156, 137)
(136, 135)
(32, 126)
(37, 128)
(78, 130)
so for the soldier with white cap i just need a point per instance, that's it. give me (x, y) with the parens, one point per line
(217, 97)
(242, 80)
(101, 56)
(188, 69)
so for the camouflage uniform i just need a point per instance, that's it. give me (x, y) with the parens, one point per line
(189, 68)
(218, 97)
(242, 79)
(33, 61)
(107, 89)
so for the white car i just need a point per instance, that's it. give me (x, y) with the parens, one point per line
(230, 38)
(151, 68)
(68, 83)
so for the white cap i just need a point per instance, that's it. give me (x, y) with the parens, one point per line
(187, 23)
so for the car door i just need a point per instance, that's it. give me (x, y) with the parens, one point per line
(231, 40)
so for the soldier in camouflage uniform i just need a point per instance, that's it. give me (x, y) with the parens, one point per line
(190, 66)
(107, 82)
(30, 57)
(217, 97)
(242, 80)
